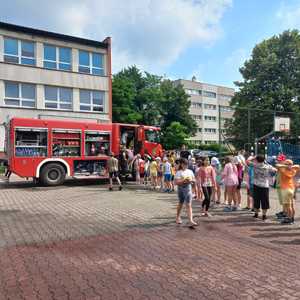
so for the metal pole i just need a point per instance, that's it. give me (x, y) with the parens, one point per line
(256, 145)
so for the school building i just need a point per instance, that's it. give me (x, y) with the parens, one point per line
(53, 76)
(209, 108)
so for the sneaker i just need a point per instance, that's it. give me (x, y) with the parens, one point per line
(120, 188)
(287, 221)
(264, 218)
(246, 208)
(227, 209)
(234, 208)
(280, 214)
(255, 215)
(110, 188)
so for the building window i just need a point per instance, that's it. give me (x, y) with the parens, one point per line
(196, 105)
(210, 130)
(91, 63)
(19, 94)
(58, 98)
(210, 118)
(209, 94)
(196, 117)
(57, 57)
(91, 101)
(210, 106)
(210, 142)
(200, 130)
(193, 92)
(224, 97)
(19, 52)
(226, 108)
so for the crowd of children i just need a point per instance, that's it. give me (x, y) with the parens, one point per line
(203, 178)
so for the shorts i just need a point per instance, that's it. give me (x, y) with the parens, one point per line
(159, 174)
(185, 195)
(279, 195)
(287, 196)
(153, 174)
(261, 197)
(168, 177)
(113, 174)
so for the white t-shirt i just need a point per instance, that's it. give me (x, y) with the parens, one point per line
(185, 174)
(167, 168)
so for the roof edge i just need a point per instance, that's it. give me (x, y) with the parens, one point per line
(63, 37)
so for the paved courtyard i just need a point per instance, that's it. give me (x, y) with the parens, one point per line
(80, 241)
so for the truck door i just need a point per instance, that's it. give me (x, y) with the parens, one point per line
(140, 139)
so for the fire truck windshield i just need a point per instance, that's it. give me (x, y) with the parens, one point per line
(152, 136)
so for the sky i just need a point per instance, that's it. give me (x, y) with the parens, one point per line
(209, 39)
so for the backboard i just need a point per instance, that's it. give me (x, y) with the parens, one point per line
(282, 124)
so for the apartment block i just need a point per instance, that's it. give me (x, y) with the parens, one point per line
(210, 109)
(53, 76)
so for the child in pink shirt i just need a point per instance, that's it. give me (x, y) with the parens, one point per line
(231, 181)
(207, 177)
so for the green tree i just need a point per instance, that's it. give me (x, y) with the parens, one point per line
(270, 83)
(144, 98)
(136, 97)
(174, 136)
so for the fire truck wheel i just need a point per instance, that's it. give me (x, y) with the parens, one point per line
(53, 174)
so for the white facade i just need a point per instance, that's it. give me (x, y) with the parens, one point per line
(41, 77)
(209, 108)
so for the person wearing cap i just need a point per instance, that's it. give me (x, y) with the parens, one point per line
(113, 169)
(288, 172)
(215, 163)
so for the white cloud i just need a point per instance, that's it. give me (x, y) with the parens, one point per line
(149, 33)
(289, 15)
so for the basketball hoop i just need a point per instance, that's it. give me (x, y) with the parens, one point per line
(282, 124)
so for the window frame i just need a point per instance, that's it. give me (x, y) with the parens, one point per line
(58, 101)
(19, 98)
(19, 55)
(90, 65)
(91, 104)
(57, 58)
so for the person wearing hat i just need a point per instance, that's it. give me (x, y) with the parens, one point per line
(288, 172)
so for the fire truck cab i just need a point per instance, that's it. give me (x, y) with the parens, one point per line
(51, 150)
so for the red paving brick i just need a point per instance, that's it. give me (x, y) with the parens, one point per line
(103, 248)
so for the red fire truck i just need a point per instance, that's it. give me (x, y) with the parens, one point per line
(50, 150)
